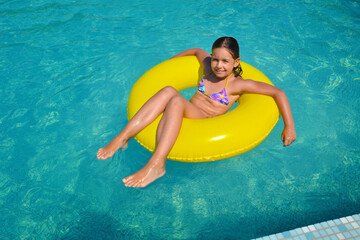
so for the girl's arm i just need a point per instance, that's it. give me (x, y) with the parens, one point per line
(198, 52)
(288, 135)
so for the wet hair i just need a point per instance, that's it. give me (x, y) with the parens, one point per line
(232, 46)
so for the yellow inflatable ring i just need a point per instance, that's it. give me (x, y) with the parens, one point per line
(210, 139)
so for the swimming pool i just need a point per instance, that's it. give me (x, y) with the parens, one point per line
(67, 68)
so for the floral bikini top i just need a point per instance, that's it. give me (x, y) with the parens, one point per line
(220, 97)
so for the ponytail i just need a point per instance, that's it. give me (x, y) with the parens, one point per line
(237, 70)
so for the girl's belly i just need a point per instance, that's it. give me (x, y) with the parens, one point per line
(208, 106)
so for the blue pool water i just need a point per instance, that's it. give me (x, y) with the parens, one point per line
(66, 71)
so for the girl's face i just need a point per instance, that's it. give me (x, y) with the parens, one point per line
(222, 62)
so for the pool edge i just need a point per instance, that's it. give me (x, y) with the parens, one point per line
(341, 228)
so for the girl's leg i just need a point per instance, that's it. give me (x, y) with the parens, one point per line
(167, 133)
(146, 114)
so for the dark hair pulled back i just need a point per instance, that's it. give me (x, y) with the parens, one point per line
(232, 46)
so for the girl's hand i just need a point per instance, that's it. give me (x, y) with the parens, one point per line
(288, 136)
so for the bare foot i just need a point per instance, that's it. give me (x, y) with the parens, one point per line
(109, 150)
(144, 176)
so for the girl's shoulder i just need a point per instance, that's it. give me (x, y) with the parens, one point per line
(238, 80)
(238, 84)
(241, 80)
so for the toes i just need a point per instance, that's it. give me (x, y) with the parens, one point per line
(132, 184)
(99, 152)
(142, 185)
(102, 154)
(129, 183)
(127, 179)
(137, 184)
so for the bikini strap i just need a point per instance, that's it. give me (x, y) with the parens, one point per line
(227, 79)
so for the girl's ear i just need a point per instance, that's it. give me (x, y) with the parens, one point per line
(237, 61)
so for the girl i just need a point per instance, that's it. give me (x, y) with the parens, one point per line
(220, 86)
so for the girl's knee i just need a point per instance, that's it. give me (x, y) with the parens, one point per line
(176, 101)
(169, 90)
